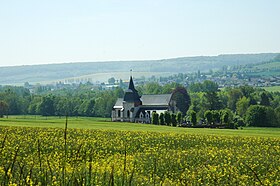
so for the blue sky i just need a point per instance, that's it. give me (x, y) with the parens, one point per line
(58, 31)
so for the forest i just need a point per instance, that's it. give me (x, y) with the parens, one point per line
(240, 106)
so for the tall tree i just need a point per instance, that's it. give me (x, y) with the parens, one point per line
(265, 99)
(182, 99)
(155, 119)
(256, 116)
(242, 105)
(167, 118)
(46, 106)
(173, 120)
(208, 116)
(179, 117)
(213, 101)
(3, 108)
(233, 96)
(161, 119)
(192, 116)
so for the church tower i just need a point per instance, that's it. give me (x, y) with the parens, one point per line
(130, 101)
(131, 94)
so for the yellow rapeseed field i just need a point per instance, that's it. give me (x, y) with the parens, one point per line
(52, 156)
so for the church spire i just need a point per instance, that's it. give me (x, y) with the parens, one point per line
(131, 94)
(131, 85)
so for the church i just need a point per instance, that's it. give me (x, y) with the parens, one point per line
(135, 108)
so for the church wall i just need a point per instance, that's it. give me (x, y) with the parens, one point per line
(128, 116)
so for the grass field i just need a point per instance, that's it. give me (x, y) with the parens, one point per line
(93, 151)
(105, 123)
(272, 89)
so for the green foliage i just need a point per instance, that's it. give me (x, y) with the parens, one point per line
(265, 99)
(155, 118)
(179, 117)
(233, 96)
(208, 116)
(277, 115)
(173, 120)
(111, 80)
(216, 115)
(182, 99)
(192, 115)
(4, 107)
(161, 119)
(206, 86)
(46, 106)
(212, 101)
(167, 118)
(226, 116)
(261, 116)
(242, 105)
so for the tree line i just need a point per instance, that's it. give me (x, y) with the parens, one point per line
(78, 102)
(244, 105)
(228, 107)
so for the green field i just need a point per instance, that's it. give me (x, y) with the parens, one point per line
(105, 123)
(36, 150)
(272, 89)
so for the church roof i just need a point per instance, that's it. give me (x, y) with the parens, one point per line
(131, 94)
(119, 103)
(131, 85)
(153, 100)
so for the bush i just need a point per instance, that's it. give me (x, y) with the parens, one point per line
(260, 116)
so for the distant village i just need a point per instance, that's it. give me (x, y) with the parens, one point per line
(223, 79)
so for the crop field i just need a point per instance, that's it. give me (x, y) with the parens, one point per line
(97, 152)
(272, 89)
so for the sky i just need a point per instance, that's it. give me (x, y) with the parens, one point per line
(61, 31)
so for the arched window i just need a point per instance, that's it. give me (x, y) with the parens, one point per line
(128, 114)
(119, 113)
(147, 115)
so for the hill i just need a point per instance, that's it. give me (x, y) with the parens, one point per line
(98, 71)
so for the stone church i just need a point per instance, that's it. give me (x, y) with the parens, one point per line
(135, 108)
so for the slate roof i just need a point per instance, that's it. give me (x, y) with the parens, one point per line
(160, 100)
(131, 94)
(119, 103)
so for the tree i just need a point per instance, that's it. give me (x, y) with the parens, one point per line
(182, 99)
(213, 101)
(3, 108)
(210, 86)
(179, 117)
(256, 116)
(277, 115)
(89, 109)
(155, 118)
(233, 96)
(265, 99)
(167, 118)
(208, 116)
(46, 106)
(111, 81)
(192, 116)
(242, 105)
(216, 117)
(161, 119)
(173, 120)
(227, 118)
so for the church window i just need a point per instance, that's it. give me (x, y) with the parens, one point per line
(119, 113)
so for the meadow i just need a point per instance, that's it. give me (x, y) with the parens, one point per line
(272, 89)
(93, 151)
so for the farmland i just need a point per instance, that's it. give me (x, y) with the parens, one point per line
(97, 152)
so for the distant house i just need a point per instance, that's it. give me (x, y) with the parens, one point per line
(135, 108)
